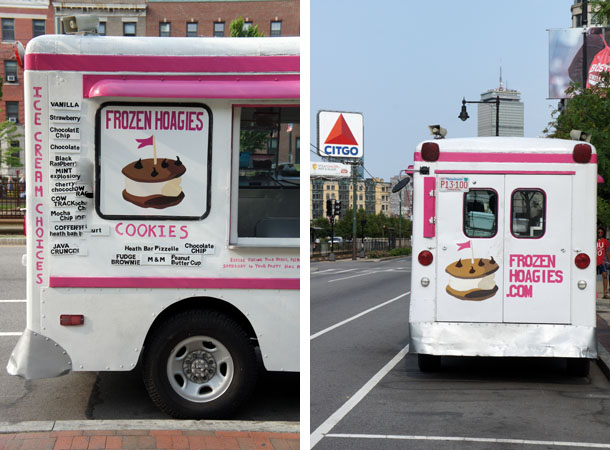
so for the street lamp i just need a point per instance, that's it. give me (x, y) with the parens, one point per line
(464, 114)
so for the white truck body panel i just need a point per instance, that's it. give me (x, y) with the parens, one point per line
(121, 272)
(523, 209)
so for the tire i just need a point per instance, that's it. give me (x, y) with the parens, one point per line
(199, 365)
(428, 363)
(578, 367)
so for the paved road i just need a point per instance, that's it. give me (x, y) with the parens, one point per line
(366, 394)
(104, 395)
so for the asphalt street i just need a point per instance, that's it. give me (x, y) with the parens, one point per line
(365, 393)
(103, 395)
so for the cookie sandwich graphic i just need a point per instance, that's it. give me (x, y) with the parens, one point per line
(472, 279)
(153, 182)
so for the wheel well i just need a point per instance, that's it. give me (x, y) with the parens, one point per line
(203, 304)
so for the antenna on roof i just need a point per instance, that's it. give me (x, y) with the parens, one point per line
(501, 87)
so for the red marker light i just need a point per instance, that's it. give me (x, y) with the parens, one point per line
(69, 320)
(425, 258)
(430, 151)
(582, 153)
(582, 261)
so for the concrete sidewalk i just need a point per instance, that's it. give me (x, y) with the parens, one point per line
(603, 329)
(165, 434)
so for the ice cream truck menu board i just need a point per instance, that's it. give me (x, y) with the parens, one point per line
(153, 160)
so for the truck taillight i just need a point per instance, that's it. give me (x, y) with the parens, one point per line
(582, 153)
(582, 260)
(425, 258)
(71, 319)
(430, 151)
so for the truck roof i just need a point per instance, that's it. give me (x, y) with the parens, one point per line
(505, 145)
(175, 46)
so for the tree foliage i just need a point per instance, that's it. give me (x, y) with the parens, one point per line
(237, 29)
(377, 225)
(588, 110)
(9, 155)
(601, 10)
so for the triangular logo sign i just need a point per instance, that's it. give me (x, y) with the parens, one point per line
(341, 134)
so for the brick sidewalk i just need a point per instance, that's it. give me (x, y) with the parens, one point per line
(144, 439)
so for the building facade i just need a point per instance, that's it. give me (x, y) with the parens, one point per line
(23, 20)
(372, 195)
(510, 114)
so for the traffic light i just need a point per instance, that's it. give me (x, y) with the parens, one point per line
(337, 209)
(329, 208)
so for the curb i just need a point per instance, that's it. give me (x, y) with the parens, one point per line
(181, 425)
(603, 359)
(17, 241)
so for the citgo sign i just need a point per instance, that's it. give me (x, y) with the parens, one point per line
(340, 134)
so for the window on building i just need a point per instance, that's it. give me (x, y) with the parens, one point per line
(276, 28)
(12, 112)
(8, 29)
(10, 71)
(219, 29)
(247, 25)
(165, 29)
(129, 28)
(192, 29)
(527, 213)
(268, 198)
(38, 27)
(480, 213)
(101, 29)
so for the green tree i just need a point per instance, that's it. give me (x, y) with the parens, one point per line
(237, 29)
(601, 10)
(588, 110)
(8, 136)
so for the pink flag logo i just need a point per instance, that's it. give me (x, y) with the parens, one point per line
(145, 142)
(463, 245)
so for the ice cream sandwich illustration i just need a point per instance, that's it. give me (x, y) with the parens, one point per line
(472, 278)
(153, 182)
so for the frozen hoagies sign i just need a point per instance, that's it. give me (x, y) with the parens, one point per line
(153, 160)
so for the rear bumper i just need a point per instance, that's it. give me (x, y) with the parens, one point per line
(36, 356)
(502, 339)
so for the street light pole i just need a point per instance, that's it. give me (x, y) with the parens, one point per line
(464, 114)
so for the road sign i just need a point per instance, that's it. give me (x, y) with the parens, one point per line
(340, 135)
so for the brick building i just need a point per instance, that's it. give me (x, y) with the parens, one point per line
(212, 18)
(21, 21)
(24, 19)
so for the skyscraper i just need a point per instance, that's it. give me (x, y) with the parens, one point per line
(510, 114)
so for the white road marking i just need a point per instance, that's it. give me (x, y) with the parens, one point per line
(466, 439)
(13, 301)
(322, 271)
(354, 276)
(337, 325)
(10, 333)
(339, 414)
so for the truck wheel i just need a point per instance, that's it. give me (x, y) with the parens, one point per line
(578, 367)
(428, 363)
(199, 365)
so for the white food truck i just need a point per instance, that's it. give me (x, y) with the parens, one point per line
(504, 249)
(163, 213)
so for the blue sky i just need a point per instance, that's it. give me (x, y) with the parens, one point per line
(407, 64)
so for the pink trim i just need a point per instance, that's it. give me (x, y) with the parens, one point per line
(505, 157)
(509, 172)
(429, 206)
(163, 64)
(249, 86)
(175, 283)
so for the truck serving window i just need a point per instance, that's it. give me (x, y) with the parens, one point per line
(269, 169)
(480, 213)
(528, 210)
(153, 160)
